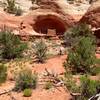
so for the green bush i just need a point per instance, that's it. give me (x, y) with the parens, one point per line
(48, 85)
(40, 49)
(70, 84)
(12, 47)
(88, 87)
(81, 57)
(98, 61)
(3, 73)
(72, 36)
(95, 70)
(12, 8)
(27, 92)
(26, 80)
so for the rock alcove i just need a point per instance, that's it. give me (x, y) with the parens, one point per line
(47, 24)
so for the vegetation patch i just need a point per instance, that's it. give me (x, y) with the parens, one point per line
(27, 92)
(40, 51)
(88, 88)
(81, 55)
(3, 73)
(12, 8)
(81, 58)
(26, 80)
(72, 36)
(11, 45)
(48, 85)
(70, 83)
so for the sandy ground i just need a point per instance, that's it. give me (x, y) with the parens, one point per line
(53, 64)
(39, 94)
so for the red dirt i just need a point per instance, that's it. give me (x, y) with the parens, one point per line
(40, 94)
(53, 65)
(98, 56)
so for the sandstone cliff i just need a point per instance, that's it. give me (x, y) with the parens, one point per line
(92, 17)
(50, 14)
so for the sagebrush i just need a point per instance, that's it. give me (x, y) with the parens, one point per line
(26, 79)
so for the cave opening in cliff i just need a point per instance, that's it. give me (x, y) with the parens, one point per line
(44, 25)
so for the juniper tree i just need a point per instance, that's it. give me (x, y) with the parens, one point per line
(81, 56)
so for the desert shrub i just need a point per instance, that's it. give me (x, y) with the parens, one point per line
(95, 70)
(81, 57)
(88, 87)
(12, 47)
(70, 83)
(48, 85)
(98, 61)
(25, 80)
(72, 36)
(40, 50)
(3, 73)
(27, 92)
(12, 8)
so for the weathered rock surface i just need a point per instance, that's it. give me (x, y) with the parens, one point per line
(49, 15)
(92, 17)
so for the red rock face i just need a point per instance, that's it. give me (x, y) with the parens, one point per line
(49, 17)
(92, 17)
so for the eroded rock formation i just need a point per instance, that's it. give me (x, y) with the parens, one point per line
(92, 17)
(50, 15)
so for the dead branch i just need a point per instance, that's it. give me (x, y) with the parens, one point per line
(6, 91)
